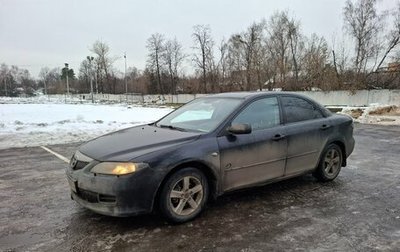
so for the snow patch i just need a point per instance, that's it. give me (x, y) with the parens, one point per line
(374, 114)
(44, 124)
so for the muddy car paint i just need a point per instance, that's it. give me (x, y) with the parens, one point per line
(229, 161)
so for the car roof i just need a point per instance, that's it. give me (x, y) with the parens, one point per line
(255, 94)
(247, 95)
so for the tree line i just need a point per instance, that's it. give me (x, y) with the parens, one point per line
(269, 54)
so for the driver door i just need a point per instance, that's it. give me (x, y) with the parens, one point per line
(257, 157)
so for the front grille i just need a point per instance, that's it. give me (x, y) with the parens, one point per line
(93, 197)
(88, 196)
(107, 198)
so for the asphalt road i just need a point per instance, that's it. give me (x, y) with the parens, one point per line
(359, 211)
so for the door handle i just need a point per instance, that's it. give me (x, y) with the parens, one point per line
(278, 137)
(325, 126)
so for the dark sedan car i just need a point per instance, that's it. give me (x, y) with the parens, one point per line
(207, 147)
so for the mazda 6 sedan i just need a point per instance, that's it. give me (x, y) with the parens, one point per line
(208, 147)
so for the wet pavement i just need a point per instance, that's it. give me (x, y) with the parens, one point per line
(359, 211)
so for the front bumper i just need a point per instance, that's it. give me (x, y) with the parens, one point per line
(110, 195)
(109, 209)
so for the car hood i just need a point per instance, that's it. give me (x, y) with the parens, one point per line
(130, 143)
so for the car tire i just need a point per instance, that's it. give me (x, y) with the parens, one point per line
(330, 163)
(184, 195)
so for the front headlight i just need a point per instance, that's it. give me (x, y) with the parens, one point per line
(117, 168)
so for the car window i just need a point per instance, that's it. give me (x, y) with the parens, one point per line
(297, 109)
(203, 114)
(261, 114)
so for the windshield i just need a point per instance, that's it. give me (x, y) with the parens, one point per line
(202, 115)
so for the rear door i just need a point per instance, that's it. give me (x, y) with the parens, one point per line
(256, 157)
(307, 130)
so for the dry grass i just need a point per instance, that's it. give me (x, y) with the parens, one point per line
(388, 110)
(356, 113)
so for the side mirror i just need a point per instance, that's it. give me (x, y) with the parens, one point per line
(239, 129)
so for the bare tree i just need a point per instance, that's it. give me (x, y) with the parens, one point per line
(54, 83)
(235, 63)
(261, 58)
(103, 64)
(85, 72)
(173, 58)
(362, 23)
(250, 44)
(6, 79)
(132, 76)
(392, 38)
(155, 46)
(203, 57)
(222, 64)
(314, 62)
(44, 75)
(296, 45)
(15, 81)
(278, 46)
(261, 64)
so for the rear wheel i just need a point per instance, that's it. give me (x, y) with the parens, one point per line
(330, 164)
(184, 195)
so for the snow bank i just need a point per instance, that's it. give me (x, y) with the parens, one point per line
(373, 114)
(43, 99)
(24, 125)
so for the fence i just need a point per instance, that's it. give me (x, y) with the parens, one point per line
(359, 98)
(333, 98)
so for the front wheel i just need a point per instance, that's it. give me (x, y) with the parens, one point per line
(330, 164)
(184, 195)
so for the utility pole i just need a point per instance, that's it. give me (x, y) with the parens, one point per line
(126, 83)
(67, 72)
(90, 58)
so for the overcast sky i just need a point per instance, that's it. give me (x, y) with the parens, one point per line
(38, 33)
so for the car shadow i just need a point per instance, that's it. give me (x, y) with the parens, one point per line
(270, 198)
(258, 208)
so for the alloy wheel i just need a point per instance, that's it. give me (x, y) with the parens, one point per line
(332, 162)
(186, 195)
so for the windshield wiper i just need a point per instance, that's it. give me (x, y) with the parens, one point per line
(171, 127)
